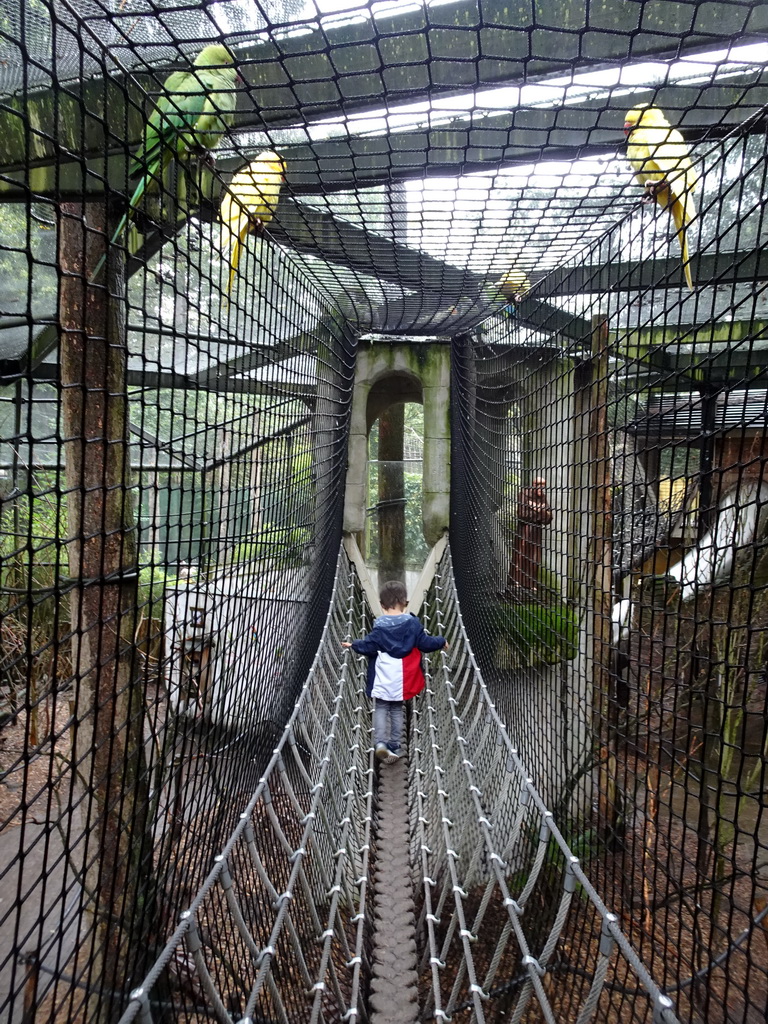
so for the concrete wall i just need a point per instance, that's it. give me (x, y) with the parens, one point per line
(384, 375)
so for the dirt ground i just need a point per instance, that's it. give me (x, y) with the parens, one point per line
(40, 858)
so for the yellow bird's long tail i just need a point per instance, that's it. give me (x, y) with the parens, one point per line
(230, 247)
(683, 212)
(234, 262)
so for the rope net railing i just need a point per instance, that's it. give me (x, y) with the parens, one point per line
(510, 924)
(283, 928)
(280, 929)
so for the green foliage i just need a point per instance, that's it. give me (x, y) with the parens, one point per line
(23, 237)
(583, 843)
(32, 559)
(32, 556)
(283, 547)
(536, 633)
(301, 467)
(153, 581)
(416, 548)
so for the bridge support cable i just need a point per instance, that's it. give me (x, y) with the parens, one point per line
(280, 929)
(495, 875)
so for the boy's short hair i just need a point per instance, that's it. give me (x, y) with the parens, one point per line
(393, 594)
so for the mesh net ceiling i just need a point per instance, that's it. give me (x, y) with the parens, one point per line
(431, 148)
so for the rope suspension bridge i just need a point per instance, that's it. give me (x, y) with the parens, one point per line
(300, 295)
(301, 894)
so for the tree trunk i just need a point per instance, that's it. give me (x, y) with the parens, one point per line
(391, 495)
(711, 739)
(108, 750)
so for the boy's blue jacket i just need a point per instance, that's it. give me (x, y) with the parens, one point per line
(397, 637)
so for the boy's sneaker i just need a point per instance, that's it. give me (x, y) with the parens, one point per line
(391, 757)
(382, 752)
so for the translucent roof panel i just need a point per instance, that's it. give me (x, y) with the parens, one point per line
(83, 39)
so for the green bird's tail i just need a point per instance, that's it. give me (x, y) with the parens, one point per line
(132, 204)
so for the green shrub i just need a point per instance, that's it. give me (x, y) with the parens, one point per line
(283, 547)
(537, 633)
(32, 555)
(33, 612)
(153, 581)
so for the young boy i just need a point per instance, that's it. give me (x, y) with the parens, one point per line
(394, 648)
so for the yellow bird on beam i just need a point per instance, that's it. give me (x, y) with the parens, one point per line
(514, 284)
(248, 204)
(661, 160)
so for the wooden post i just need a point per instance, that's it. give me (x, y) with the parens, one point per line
(602, 579)
(715, 709)
(30, 988)
(704, 639)
(108, 750)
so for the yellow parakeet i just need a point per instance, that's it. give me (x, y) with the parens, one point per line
(248, 204)
(514, 284)
(661, 161)
(191, 115)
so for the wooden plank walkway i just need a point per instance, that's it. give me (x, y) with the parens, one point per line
(394, 982)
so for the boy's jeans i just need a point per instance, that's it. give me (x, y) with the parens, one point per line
(388, 722)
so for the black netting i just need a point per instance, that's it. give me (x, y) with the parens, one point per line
(178, 418)
(74, 42)
(607, 524)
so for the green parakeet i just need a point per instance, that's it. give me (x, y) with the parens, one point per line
(193, 113)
